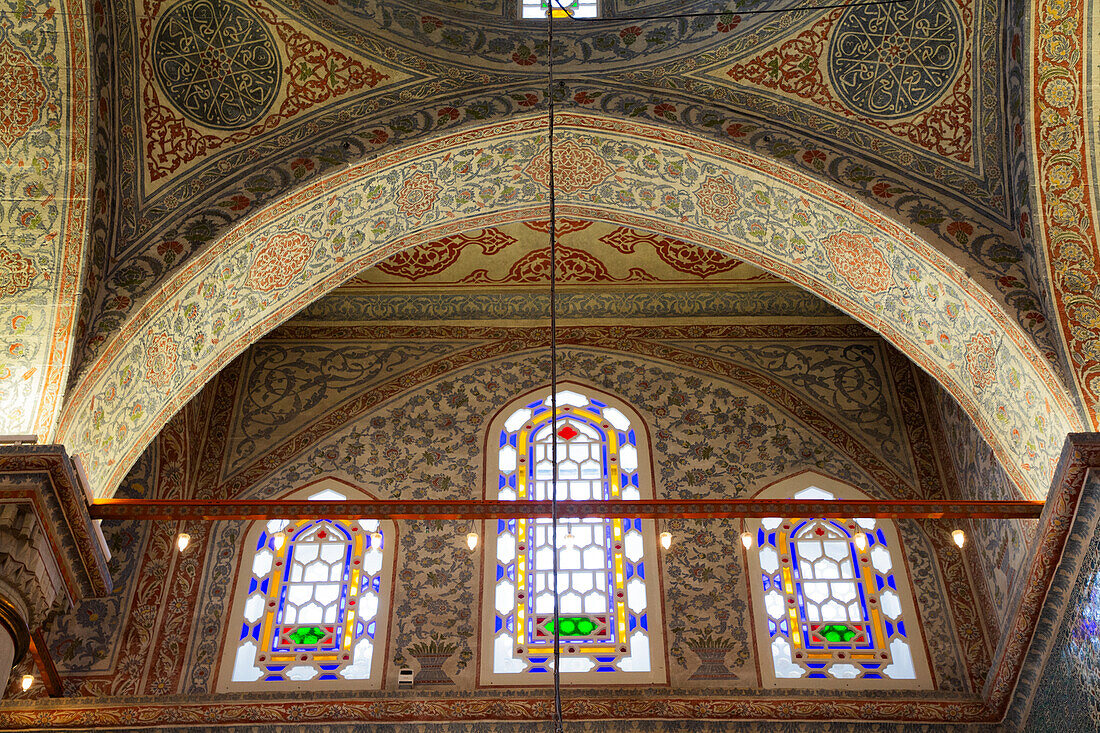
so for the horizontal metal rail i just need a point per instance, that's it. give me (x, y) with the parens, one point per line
(152, 509)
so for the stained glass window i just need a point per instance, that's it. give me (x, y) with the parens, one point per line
(560, 8)
(609, 615)
(835, 602)
(309, 601)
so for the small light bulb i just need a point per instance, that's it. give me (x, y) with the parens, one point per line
(570, 540)
(666, 540)
(861, 541)
(471, 540)
(280, 540)
(376, 539)
(960, 537)
(182, 541)
(28, 680)
(746, 540)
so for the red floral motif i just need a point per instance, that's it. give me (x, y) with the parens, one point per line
(797, 68)
(981, 360)
(565, 226)
(22, 94)
(16, 272)
(314, 74)
(278, 261)
(858, 261)
(418, 195)
(680, 256)
(435, 257)
(573, 266)
(575, 168)
(160, 360)
(718, 199)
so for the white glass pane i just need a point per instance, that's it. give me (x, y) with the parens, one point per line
(507, 459)
(617, 419)
(628, 458)
(638, 661)
(326, 594)
(582, 582)
(890, 603)
(506, 597)
(368, 606)
(359, 669)
(833, 611)
(816, 592)
(902, 666)
(516, 421)
(254, 607)
(305, 552)
(327, 495)
(277, 525)
(244, 666)
(571, 603)
(316, 572)
(880, 558)
(631, 494)
(844, 671)
(632, 545)
(311, 613)
(773, 602)
(299, 594)
(261, 564)
(503, 659)
(372, 561)
(369, 525)
(838, 550)
(826, 569)
(332, 552)
(572, 399)
(635, 595)
(576, 664)
(544, 603)
(814, 493)
(769, 560)
(506, 548)
(867, 524)
(596, 602)
(770, 523)
(301, 673)
(808, 550)
(844, 592)
(570, 559)
(781, 657)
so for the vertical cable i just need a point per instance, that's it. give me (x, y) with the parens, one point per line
(559, 724)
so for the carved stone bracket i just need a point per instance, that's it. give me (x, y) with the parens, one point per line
(51, 551)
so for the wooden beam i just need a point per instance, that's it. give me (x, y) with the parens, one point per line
(152, 509)
(51, 680)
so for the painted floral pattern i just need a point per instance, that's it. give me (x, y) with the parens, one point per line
(718, 198)
(418, 195)
(576, 168)
(859, 261)
(16, 272)
(279, 260)
(160, 360)
(981, 360)
(22, 93)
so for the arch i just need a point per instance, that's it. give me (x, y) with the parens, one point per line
(698, 190)
(829, 613)
(310, 604)
(610, 596)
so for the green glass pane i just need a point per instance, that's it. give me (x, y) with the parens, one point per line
(574, 626)
(836, 632)
(306, 635)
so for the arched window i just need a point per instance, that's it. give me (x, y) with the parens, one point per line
(540, 9)
(610, 606)
(832, 598)
(310, 602)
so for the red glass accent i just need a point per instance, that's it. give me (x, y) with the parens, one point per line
(568, 432)
(819, 531)
(322, 534)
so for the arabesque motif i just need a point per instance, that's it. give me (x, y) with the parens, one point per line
(161, 357)
(418, 195)
(22, 93)
(575, 168)
(858, 261)
(16, 272)
(279, 260)
(435, 257)
(981, 360)
(675, 253)
(718, 198)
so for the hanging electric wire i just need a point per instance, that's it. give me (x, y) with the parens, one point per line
(559, 723)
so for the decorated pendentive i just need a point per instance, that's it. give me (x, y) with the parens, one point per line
(609, 611)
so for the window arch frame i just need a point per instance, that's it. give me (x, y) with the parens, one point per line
(320, 490)
(650, 555)
(787, 488)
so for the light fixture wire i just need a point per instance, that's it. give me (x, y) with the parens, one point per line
(559, 723)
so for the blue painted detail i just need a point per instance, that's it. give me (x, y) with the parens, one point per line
(890, 580)
(534, 404)
(881, 537)
(251, 585)
(264, 585)
(640, 567)
(605, 659)
(645, 621)
(501, 525)
(889, 629)
(371, 629)
(815, 665)
(878, 582)
(262, 541)
(633, 623)
(606, 669)
(815, 676)
(513, 440)
(597, 403)
(632, 438)
(634, 479)
(877, 76)
(872, 676)
(500, 572)
(328, 677)
(512, 480)
(508, 622)
(901, 628)
(498, 624)
(244, 632)
(771, 539)
(256, 632)
(503, 438)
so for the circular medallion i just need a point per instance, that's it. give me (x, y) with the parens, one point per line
(892, 61)
(217, 62)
